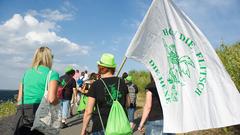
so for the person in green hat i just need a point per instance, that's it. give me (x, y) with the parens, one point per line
(68, 82)
(133, 90)
(98, 94)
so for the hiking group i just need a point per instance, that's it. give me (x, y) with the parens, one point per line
(45, 100)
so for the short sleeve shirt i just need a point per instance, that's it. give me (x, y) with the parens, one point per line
(34, 81)
(156, 110)
(103, 99)
(70, 83)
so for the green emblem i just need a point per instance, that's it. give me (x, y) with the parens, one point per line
(114, 92)
(63, 83)
(180, 67)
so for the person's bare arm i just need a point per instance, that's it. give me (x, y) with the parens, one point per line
(52, 92)
(83, 88)
(74, 94)
(19, 97)
(146, 110)
(88, 114)
(128, 101)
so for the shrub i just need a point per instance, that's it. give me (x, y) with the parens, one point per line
(230, 57)
(7, 108)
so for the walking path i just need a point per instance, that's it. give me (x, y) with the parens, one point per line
(75, 126)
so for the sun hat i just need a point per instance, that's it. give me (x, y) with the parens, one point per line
(107, 60)
(68, 68)
(129, 78)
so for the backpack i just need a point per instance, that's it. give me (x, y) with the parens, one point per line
(132, 93)
(83, 103)
(117, 123)
(61, 88)
(80, 82)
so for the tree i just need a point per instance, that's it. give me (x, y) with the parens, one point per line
(230, 57)
(140, 78)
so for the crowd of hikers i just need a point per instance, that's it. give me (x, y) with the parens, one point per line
(106, 100)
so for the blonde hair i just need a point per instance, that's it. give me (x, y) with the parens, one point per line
(42, 56)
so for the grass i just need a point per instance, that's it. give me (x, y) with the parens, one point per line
(7, 108)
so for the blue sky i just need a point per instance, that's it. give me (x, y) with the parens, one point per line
(79, 31)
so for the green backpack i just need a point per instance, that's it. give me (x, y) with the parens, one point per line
(83, 103)
(117, 123)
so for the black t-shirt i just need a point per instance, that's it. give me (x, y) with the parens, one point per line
(70, 84)
(156, 112)
(103, 99)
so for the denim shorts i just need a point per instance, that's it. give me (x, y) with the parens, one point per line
(131, 114)
(65, 104)
(155, 128)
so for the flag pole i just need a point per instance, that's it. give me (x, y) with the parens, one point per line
(123, 62)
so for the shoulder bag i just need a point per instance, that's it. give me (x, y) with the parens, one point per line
(48, 117)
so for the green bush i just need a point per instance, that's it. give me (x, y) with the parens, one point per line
(230, 57)
(140, 78)
(7, 108)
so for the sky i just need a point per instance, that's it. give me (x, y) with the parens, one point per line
(79, 31)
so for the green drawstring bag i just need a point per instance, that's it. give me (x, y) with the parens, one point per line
(117, 123)
(83, 103)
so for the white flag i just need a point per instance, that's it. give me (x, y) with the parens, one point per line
(195, 90)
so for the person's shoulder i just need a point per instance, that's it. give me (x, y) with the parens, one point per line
(97, 82)
(28, 71)
(55, 73)
(64, 76)
(121, 80)
(116, 79)
(150, 86)
(74, 81)
(134, 85)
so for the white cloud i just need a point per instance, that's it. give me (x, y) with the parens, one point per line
(52, 15)
(68, 7)
(21, 35)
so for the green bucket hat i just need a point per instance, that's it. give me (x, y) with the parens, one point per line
(68, 68)
(107, 60)
(129, 78)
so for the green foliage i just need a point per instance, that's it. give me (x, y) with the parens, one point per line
(140, 78)
(7, 108)
(230, 57)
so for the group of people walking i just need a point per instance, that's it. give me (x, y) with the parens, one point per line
(102, 90)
